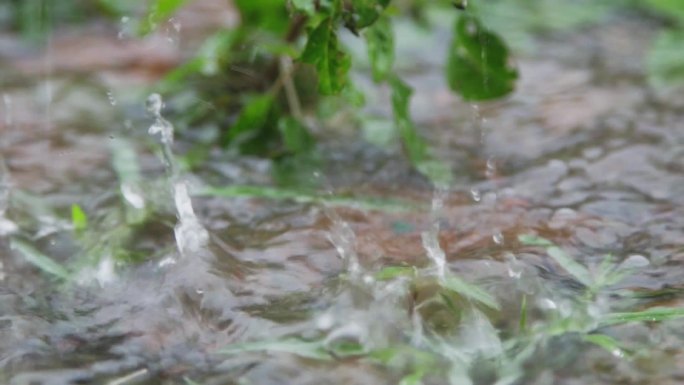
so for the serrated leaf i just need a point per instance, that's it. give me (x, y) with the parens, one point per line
(380, 41)
(478, 65)
(331, 62)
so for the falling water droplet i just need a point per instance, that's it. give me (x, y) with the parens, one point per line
(123, 28)
(491, 168)
(173, 30)
(513, 266)
(110, 97)
(475, 194)
(498, 238)
(7, 101)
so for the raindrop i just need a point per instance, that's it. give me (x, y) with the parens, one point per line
(513, 266)
(325, 321)
(123, 28)
(475, 194)
(491, 168)
(635, 261)
(7, 101)
(548, 304)
(173, 31)
(110, 97)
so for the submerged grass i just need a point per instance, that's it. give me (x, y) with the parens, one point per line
(301, 196)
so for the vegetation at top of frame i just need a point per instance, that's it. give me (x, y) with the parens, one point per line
(266, 87)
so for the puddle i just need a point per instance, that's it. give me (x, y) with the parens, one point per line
(583, 155)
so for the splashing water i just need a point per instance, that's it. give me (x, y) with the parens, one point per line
(430, 238)
(6, 226)
(190, 235)
(343, 238)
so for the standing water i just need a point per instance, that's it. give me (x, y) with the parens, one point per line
(556, 257)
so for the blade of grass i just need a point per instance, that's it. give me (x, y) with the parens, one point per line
(307, 349)
(40, 260)
(606, 342)
(78, 218)
(470, 291)
(522, 324)
(656, 314)
(370, 203)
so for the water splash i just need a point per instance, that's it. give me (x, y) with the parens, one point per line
(190, 235)
(173, 30)
(111, 98)
(498, 238)
(430, 238)
(343, 238)
(475, 194)
(124, 28)
(6, 226)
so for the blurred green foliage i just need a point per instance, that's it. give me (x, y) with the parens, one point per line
(262, 87)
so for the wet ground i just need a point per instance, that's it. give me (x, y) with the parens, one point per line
(584, 153)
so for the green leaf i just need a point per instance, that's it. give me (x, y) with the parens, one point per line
(665, 62)
(522, 323)
(478, 64)
(606, 342)
(160, 10)
(331, 62)
(365, 13)
(307, 349)
(380, 40)
(188, 381)
(78, 218)
(251, 121)
(306, 6)
(414, 378)
(391, 272)
(468, 290)
(671, 8)
(296, 137)
(533, 240)
(368, 203)
(269, 15)
(40, 260)
(656, 314)
(579, 272)
(415, 146)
